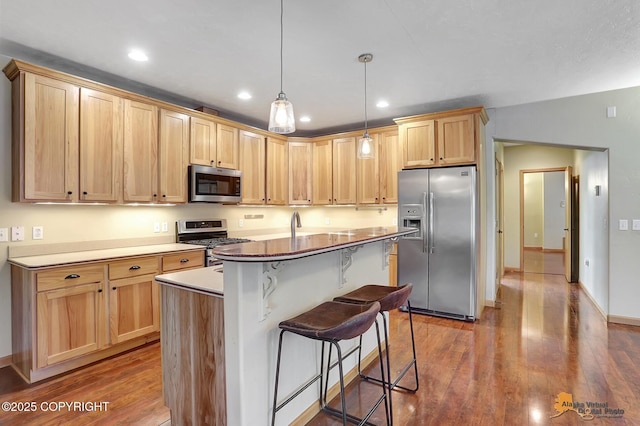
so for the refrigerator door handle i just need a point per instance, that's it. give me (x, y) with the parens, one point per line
(431, 239)
(425, 241)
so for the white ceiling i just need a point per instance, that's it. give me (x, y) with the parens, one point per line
(428, 55)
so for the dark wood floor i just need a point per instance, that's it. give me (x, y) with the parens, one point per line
(543, 262)
(505, 369)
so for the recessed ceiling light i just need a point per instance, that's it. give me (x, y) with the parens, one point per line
(382, 104)
(138, 55)
(244, 95)
(305, 119)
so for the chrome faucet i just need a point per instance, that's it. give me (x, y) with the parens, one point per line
(295, 222)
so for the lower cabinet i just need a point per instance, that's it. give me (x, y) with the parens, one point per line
(86, 312)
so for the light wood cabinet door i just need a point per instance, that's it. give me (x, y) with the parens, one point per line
(70, 322)
(277, 172)
(322, 172)
(344, 170)
(368, 175)
(202, 142)
(300, 172)
(456, 143)
(140, 173)
(252, 165)
(181, 261)
(419, 143)
(101, 133)
(134, 307)
(390, 164)
(173, 157)
(227, 148)
(48, 152)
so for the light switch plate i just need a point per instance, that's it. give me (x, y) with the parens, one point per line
(165, 227)
(156, 226)
(4, 234)
(623, 225)
(17, 233)
(635, 225)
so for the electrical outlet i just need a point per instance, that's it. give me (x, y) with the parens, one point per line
(4, 234)
(156, 226)
(165, 227)
(394, 221)
(623, 225)
(327, 221)
(635, 225)
(17, 233)
(37, 233)
(240, 223)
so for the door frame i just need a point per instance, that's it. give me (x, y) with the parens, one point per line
(566, 170)
(499, 222)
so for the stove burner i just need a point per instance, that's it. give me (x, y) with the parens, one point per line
(215, 242)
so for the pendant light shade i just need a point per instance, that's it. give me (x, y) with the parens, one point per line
(365, 144)
(281, 118)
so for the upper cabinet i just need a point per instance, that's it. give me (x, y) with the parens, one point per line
(140, 148)
(45, 139)
(277, 171)
(173, 157)
(300, 171)
(202, 142)
(344, 170)
(101, 130)
(252, 166)
(441, 139)
(227, 147)
(322, 172)
(377, 178)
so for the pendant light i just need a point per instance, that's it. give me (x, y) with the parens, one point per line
(365, 144)
(281, 119)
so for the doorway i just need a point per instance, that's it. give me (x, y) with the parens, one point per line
(547, 225)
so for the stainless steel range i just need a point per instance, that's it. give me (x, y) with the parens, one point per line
(209, 233)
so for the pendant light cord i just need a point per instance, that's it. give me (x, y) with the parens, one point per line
(281, 40)
(365, 96)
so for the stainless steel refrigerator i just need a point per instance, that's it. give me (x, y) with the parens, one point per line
(440, 259)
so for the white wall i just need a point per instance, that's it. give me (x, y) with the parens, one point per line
(593, 169)
(554, 210)
(580, 121)
(68, 224)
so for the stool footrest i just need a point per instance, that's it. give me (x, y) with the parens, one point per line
(394, 384)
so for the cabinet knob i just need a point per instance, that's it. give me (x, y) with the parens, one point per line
(134, 268)
(155, 195)
(441, 158)
(84, 192)
(184, 260)
(431, 159)
(267, 200)
(114, 288)
(309, 200)
(164, 195)
(72, 277)
(69, 192)
(99, 290)
(219, 162)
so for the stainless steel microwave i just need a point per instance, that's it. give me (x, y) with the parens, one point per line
(214, 185)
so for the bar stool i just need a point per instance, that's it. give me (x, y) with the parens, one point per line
(390, 298)
(331, 322)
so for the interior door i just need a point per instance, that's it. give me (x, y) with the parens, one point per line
(568, 226)
(499, 222)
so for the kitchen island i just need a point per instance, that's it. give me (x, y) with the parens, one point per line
(265, 282)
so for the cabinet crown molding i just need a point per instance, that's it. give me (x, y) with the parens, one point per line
(443, 114)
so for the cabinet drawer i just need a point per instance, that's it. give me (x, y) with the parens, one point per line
(69, 276)
(133, 267)
(187, 260)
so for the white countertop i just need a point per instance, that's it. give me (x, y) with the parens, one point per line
(202, 280)
(75, 257)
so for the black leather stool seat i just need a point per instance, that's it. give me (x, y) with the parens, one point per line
(333, 321)
(390, 298)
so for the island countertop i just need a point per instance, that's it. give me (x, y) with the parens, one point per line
(303, 246)
(206, 280)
